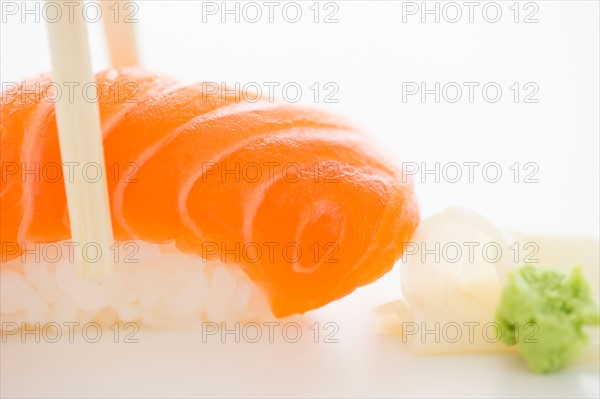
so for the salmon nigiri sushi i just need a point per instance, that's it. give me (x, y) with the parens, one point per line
(218, 205)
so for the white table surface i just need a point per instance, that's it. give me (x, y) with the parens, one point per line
(362, 363)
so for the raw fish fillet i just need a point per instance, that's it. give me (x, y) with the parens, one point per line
(222, 178)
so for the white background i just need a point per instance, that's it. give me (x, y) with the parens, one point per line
(369, 53)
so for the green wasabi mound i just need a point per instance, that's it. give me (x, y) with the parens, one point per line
(543, 311)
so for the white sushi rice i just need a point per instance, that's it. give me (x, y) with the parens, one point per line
(164, 289)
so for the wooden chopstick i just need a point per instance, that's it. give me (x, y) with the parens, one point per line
(119, 18)
(80, 138)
